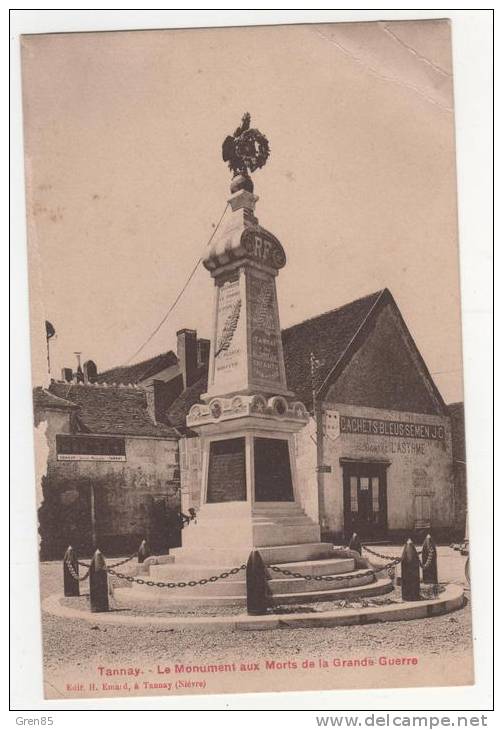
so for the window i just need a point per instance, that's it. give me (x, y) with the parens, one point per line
(354, 494)
(375, 499)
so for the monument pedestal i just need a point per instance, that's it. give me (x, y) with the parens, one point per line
(249, 495)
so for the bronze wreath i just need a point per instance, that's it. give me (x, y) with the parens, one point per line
(252, 147)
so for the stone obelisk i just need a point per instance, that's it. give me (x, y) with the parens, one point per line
(248, 417)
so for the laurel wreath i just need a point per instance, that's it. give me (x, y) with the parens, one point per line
(253, 148)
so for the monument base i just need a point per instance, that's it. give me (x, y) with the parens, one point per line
(235, 528)
(347, 573)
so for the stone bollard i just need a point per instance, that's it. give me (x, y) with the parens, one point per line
(355, 544)
(143, 551)
(71, 586)
(410, 573)
(258, 593)
(429, 561)
(98, 583)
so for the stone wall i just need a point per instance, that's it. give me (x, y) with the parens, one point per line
(127, 496)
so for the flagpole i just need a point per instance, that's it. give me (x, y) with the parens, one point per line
(49, 332)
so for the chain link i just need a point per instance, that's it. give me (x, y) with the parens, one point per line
(74, 574)
(233, 571)
(381, 555)
(180, 584)
(341, 577)
(429, 559)
(114, 565)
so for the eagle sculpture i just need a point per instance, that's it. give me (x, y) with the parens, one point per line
(245, 151)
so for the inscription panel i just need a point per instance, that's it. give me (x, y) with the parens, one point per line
(273, 476)
(264, 332)
(228, 341)
(227, 471)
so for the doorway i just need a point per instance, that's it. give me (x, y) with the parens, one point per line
(365, 499)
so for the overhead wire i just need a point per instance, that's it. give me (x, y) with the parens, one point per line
(179, 295)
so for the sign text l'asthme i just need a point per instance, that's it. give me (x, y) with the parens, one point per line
(381, 427)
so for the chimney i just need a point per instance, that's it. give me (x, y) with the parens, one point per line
(90, 371)
(67, 374)
(78, 375)
(203, 352)
(154, 392)
(186, 350)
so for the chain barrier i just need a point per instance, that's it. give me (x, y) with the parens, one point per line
(429, 559)
(381, 555)
(341, 577)
(275, 568)
(180, 584)
(75, 575)
(114, 565)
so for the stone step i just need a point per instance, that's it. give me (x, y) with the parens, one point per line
(264, 533)
(279, 585)
(376, 588)
(286, 585)
(273, 534)
(332, 566)
(165, 597)
(277, 508)
(293, 553)
(282, 519)
(187, 571)
(235, 556)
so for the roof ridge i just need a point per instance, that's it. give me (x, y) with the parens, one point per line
(348, 347)
(136, 364)
(45, 390)
(377, 293)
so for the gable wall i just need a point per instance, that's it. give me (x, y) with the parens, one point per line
(383, 374)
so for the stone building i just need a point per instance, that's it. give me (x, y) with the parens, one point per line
(112, 474)
(376, 456)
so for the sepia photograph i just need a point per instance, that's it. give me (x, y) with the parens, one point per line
(247, 359)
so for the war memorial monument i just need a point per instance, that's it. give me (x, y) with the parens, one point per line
(247, 420)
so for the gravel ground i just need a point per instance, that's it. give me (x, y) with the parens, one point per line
(79, 643)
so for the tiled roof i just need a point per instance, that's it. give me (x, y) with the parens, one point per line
(132, 374)
(178, 410)
(457, 415)
(111, 410)
(42, 398)
(327, 337)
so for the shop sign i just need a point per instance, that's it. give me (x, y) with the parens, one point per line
(400, 429)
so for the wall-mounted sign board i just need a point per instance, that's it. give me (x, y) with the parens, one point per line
(90, 448)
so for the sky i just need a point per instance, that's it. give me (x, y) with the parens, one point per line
(125, 180)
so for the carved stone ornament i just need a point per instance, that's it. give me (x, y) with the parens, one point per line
(245, 151)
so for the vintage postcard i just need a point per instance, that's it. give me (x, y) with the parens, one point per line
(247, 359)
